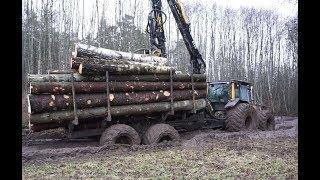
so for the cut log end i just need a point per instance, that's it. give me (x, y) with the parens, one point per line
(166, 93)
(111, 97)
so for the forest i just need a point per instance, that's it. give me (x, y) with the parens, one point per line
(250, 44)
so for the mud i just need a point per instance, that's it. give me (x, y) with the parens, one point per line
(58, 133)
(53, 145)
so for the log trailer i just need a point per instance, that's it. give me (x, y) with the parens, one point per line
(226, 105)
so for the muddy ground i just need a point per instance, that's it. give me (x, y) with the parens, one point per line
(210, 154)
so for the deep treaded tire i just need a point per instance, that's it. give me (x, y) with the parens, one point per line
(160, 132)
(271, 124)
(240, 117)
(120, 134)
(266, 120)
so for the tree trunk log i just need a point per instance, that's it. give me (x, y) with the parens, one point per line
(86, 51)
(101, 87)
(49, 103)
(64, 78)
(99, 67)
(140, 109)
(76, 61)
(117, 78)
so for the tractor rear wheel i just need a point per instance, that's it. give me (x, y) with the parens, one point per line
(241, 117)
(266, 120)
(270, 122)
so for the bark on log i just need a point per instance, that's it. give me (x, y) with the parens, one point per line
(117, 78)
(99, 67)
(61, 71)
(49, 103)
(64, 78)
(87, 51)
(101, 87)
(140, 109)
(76, 61)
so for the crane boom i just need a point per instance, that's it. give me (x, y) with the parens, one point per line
(157, 37)
(155, 29)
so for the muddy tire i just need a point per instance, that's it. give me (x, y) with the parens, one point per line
(120, 134)
(158, 133)
(266, 120)
(271, 124)
(262, 117)
(241, 117)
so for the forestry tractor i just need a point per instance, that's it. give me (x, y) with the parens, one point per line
(230, 104)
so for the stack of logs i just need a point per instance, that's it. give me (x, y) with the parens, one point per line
(137, 85)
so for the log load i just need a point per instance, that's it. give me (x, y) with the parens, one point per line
(116, 78)
(87, 51)
(49, 103)
(101, 87)
(138, 84)
(61, 116)
(99, 67)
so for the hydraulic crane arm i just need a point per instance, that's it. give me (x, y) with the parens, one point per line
(157, 37)
(155, 29)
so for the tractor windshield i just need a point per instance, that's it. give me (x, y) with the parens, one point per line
(218, 92)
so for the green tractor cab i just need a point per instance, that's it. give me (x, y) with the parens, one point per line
(223, 95)
(223, 92)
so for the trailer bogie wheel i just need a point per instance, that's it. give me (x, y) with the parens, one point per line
(241, 117)
(120, 134)
(161, 132)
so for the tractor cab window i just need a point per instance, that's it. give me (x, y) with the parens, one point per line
(219, 92)
(245, 93)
